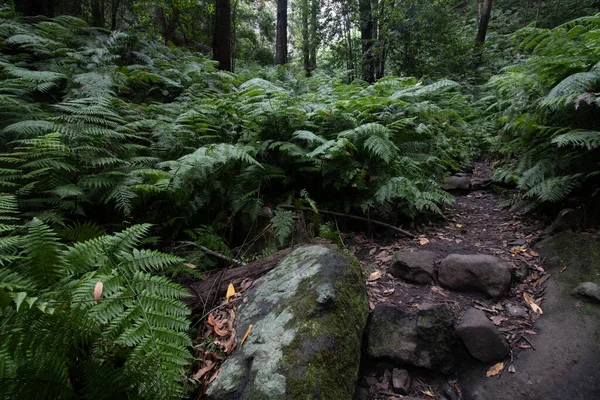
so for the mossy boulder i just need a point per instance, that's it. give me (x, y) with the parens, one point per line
(579, 252)
(308, 316)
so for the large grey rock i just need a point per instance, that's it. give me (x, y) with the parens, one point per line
(589, 290)
(478, 272)
(457, 182)
(414, 265)
(308, 316)
(481, 337)
(423, 338)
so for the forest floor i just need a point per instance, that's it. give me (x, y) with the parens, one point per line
(478, 224)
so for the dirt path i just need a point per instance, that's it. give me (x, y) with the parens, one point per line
(478, 224)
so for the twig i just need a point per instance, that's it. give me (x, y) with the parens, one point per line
(214, 253)
(91, 300)
(527, 340)
(402, 231)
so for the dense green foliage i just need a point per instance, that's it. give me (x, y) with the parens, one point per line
(123, 155)
(548, 111)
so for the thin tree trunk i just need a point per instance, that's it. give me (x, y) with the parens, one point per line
(314, 33)
(97, 7)
(281, 39)
(537, 14)
(304, 11)
(381, 51)
(113, 14)
(484, 21)
(350, 61)
(234, 35)
(222, 35)
(366, 35)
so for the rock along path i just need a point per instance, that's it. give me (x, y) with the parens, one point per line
(552, 356)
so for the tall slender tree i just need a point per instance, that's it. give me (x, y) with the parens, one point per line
(366, 34)
(281, 38)
(222, 35)
(484, 21)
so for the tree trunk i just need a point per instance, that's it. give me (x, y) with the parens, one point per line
(281, 40)
(113, 14)
(98, 13)
(304, 12)
(366, 35)
(484, 21)
(234, 35)
(222, 35)
(314, 33)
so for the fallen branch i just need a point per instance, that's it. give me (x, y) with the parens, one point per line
(214, 253)
(371, 221)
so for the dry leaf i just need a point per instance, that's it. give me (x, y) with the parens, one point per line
(246, 335)
(534, 253)
(230, 292)
(373, 250)
(246, 283)
(531, 332)
(209, 365)
(423, 241)
(374, 276)
(525, 346)
(459, 225)
(371, 305)
(563, 270)
(497, 320)
(98, 290)
(495, 370)
(536, 309)
(512, 369)
(189, 265)
(428, 393)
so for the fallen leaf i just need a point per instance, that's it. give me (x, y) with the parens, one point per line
(512, 369)
(246, 335)
(459, 225)
(98, 290)
(531, 332)
(214, 376)
(209, 365)
(246, 283)
(536, 309)
(563, 270)
(230, 292)
(534, 253)
(423, 241)
(428, 393)
(373, 250)
(245, 300)
(495, 370)
(497, 320)
(371, 305)
(192, 266)
(374, 276)
(525, 346)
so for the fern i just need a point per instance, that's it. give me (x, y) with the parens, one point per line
(283, 224)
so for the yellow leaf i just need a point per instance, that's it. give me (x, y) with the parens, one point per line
(374, 276)
(536, 309)
(246, 335)
(192, 266)
(459, 225)
(230, 292)
(495, 370)
(98, 290)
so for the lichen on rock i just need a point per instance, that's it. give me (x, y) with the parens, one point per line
(309, 314)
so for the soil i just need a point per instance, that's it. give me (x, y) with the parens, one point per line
(553, 356)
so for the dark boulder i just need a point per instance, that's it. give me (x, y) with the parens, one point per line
(477, 272)
(481, 337)
(414, 265)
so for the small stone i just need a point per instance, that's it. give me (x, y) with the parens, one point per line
(483, 273)
(457, 182)
(515, 311)
(401, 381)
(414, 265)
(589, 290)
(481, 337)
(448, 391)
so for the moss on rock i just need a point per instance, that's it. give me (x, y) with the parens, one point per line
(309, 314)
